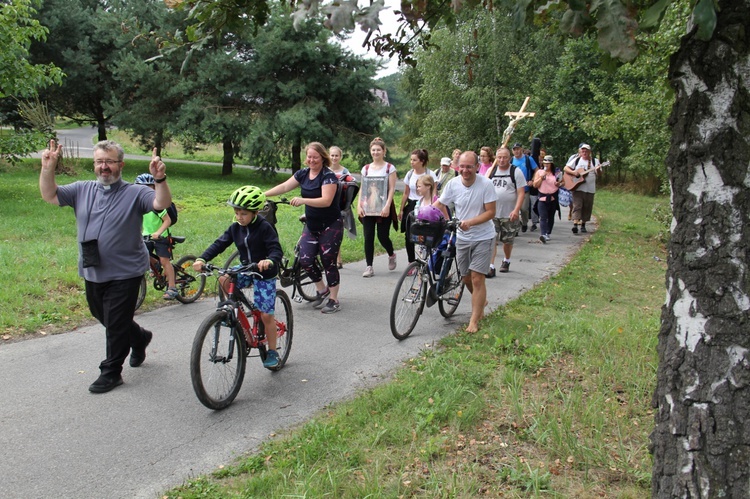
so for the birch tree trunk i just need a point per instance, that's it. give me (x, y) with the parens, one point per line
(701, 441)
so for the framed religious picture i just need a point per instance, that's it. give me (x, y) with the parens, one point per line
(375, 190)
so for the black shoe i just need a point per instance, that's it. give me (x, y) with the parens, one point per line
(491, 273)
(103, 384)
(583, 229)
(504, 267)
(524, 228)
(575, 229)
(533, 227)
(138, 355)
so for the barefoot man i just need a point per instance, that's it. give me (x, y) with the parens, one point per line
(474, 199)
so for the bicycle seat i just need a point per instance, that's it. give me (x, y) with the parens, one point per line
(178, 239)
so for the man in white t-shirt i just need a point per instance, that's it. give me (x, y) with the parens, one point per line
(509, 182)
(582, 165)
(474, 200)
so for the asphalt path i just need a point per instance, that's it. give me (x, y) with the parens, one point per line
(151, 433)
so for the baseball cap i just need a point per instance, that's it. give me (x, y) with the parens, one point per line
(517, 144)
(548, 159)
(445, 161)
(584, 146)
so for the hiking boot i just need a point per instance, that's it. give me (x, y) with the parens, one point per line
(533, 227)
(524, 228)
(272, 359)
(369, 272)
(103, 383)
(138, 355)
(583, 229)
(491, 273)
(320, 299)
(575, 229)
(331, 307)
(392, 262)
(504, 267)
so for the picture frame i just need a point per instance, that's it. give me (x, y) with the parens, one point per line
(375, 190)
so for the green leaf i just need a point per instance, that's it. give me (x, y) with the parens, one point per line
(653, 16)
(704, 15)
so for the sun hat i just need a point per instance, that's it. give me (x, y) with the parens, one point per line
(584, 146)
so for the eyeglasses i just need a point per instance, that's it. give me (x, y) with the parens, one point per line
(108, 162)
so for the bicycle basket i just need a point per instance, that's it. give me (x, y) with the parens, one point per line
(426, 233)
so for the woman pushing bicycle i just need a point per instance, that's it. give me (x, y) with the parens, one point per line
(257, 242)
(323, 228)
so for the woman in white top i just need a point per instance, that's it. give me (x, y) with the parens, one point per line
(419, 160)
(382, 221)
(336, 167)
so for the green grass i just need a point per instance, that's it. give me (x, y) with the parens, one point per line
(42, 290)
(550, 398)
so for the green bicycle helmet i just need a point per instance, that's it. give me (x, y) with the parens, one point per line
(248, 197)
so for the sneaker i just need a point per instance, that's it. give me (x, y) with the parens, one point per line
(272, 359)
(369, 272)
(331, 307)
(575, 229)
(170, 294)
(138, 355)
(103, 384)
(392, 262)
(504, 266)
(543, 239)
(524, 228)
(533, 227)
(583, 229)
(491, 273)
(320, 299)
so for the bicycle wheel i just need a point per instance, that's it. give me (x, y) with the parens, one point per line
(453, 286)
(189, 284)
(217, 361)
(141, 293)
(284, 329)
(304, 283)
(234, 259)
(408, 300)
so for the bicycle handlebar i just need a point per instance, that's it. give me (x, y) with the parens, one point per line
(251, 269)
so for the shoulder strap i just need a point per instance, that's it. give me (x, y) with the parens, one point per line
(513, 174)
(407, 177)
(528, 163)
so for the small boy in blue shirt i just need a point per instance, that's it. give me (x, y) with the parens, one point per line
(156, 225)
(257, 242)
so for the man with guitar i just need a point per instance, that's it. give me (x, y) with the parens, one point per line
(580, 178)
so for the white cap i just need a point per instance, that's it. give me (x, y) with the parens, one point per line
(445, 161)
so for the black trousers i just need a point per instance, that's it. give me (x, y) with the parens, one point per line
(113, 304)
(369, 225)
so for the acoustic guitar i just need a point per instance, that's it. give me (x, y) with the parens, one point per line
(571, 182)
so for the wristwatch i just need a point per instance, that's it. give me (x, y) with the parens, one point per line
(160, 180)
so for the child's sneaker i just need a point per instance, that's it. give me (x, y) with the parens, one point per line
(320, 299)
(331, 307)
(272, 359)
(392, 262)
(369, 272)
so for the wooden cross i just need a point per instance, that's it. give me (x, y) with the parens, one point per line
(517, 116)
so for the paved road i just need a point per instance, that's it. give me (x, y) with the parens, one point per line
(59, 440)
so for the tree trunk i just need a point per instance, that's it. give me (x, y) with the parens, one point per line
(296, 151)
(101, 127)
(701, 440)
(228, 160)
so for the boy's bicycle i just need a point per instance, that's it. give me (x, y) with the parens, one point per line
(189, 283)
(226, 338)
(289, 275)
(433, 277)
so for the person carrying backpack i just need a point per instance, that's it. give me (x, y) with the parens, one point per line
(410, 198)
(528, 167)
(508, 182)
(156, 225)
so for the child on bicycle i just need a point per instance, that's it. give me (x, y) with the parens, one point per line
(257, 242)
(156, 225)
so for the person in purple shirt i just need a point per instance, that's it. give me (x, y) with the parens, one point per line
(109, 216)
